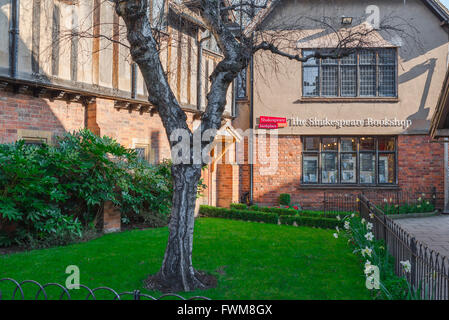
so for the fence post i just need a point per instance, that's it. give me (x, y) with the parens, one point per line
(324, 203)
(434, 197)
(413, 262)
(136, 295)
(397, 201)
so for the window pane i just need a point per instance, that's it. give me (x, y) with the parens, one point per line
(330, 144)
(349, 60)
(241, 84)
(348, 144)
(310, 168)
(387, 81)
(367, 144)
(367, 81)
(386, 168)
(329, 80)
(140, 153)
(311, 61)
(311, 143)
(386, 143)
(348, 81)
(348, 166)
(367, 167)
(367, 57)
(387, 56)
(329, 168)
(311, 81)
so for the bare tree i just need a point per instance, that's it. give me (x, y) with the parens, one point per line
(238, 37)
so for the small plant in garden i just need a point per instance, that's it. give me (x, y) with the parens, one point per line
(284, 199)
(420, 205)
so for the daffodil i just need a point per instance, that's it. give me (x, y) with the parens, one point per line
(406, 265)
(369, 236)
(367, 251)
(363, 220)
(369, 226)
(347, 225)
(371, 215)
(336, 235)
(338, 218)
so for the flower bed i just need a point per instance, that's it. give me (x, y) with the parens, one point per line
(378, 264)
(421, 205)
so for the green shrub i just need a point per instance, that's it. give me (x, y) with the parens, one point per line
(284, 199)
(53, 191)
(325, 223)
(268, 217)
(239, 206)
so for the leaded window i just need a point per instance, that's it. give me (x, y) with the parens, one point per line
(365, 73)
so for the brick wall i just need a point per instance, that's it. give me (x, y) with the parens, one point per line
(420, 166)
(18, 111)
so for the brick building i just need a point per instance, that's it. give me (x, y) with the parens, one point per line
(357, 123)
(51, 84)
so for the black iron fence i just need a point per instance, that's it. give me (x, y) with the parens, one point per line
(19, 292)
(429, 273)
(397, 201)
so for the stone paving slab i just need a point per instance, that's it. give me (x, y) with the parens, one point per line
(432, 231)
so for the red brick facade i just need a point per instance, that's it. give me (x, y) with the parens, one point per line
(420, 166)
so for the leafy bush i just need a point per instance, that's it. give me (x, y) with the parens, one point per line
(284, 199)
(55, 191)
(419, 206)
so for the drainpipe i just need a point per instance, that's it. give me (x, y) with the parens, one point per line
(251, 126)
(446, 176)
(13, 38)
(199, 78)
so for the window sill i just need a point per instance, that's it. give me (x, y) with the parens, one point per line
(347, 100)
(346, 187)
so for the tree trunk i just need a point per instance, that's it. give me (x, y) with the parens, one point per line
(177, 272)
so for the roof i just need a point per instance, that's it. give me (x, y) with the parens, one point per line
(439, 124)
(435, 6)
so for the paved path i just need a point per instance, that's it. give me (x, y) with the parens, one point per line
(433, 231)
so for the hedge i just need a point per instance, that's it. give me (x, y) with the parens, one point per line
(290, 212)
(268, 217)
(325, 223)
(246, 215)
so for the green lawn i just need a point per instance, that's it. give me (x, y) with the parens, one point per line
(251, 260)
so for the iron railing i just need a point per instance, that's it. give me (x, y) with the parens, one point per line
(429, 273)
(395, 201)
(42, 293)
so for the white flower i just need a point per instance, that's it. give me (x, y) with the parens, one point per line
(369, 226)
(336, 235)
(338, 229)
(385, 200)
(423, 194)
(367, 251)
(406, 265)
(363, 220)
(347, 225)
(368, 268)
(371, 215)
(419, 199)
(369, 236)
(353, 215)
(427, 202)
(338, 218)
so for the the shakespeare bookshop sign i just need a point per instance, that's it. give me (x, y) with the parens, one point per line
(341, 123)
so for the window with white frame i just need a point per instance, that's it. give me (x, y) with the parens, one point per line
(349, 160)
(365, 73)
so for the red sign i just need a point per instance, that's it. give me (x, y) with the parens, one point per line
(272, 120)
(268, 125)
